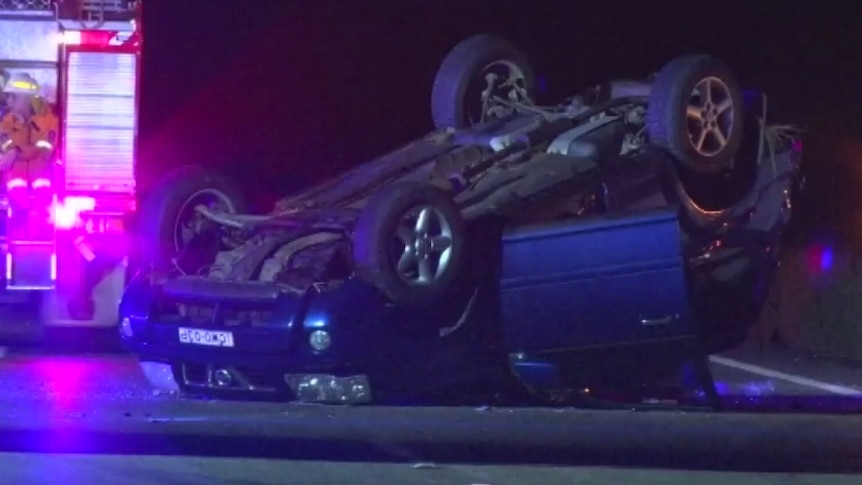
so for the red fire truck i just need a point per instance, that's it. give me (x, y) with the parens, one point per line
(66, 266)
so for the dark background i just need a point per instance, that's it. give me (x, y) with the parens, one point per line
(280, 93)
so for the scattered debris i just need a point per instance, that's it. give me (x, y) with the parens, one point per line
(660, 402)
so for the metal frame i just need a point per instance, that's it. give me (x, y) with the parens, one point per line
(132, 46)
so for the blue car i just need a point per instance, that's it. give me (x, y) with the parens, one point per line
(607, 238)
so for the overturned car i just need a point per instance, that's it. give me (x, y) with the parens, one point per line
(608, 237)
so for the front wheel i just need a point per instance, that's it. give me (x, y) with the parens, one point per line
(409, 243)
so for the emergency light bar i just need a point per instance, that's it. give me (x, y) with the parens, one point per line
(94, 38)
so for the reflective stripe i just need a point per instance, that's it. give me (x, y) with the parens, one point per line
(18, 86)
(16, 183)
(23, 85)
(41, 183)
(6, 145)
(44, 145)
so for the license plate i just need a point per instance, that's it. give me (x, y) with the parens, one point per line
(212, 338)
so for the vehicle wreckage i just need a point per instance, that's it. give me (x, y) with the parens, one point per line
(605, 238)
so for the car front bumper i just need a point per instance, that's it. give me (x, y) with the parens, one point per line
(310, 351)
(303, 387)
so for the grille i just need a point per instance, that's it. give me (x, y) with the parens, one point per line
(205, 315)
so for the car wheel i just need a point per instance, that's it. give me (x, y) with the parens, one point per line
(168, 224)
(457, 99)
(695, 113)
(409, 242)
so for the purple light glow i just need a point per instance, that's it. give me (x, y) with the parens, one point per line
(820, 259)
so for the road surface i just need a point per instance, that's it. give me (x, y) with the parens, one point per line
(90, 419)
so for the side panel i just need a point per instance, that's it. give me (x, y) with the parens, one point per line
(92, 80)
(99, 94)
(29, 46)
(596, 282)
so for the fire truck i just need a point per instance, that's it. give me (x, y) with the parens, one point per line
(65, 257)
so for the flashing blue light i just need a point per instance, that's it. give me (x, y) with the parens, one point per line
(315, 323)
(826, 259)
(820, 259)
(541, 84)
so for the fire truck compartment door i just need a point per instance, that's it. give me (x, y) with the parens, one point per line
(30, 266)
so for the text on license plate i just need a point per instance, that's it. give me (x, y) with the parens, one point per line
(213, 338)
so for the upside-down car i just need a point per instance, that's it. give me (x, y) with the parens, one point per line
(602, 238)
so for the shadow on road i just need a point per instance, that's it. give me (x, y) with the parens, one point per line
(346, 450)
(682, 441)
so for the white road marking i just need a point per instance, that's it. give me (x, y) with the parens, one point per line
(798, 380)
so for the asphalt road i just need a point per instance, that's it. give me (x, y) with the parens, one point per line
(85, 419)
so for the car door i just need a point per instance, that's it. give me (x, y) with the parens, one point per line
(604, 281)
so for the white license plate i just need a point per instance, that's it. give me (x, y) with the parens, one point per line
(212, 338)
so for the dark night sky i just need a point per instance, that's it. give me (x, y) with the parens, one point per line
(300, 89)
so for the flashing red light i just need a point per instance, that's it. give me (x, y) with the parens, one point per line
(94, 38)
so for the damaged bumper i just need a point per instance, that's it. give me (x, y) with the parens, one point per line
(310, 388)
(223, 338)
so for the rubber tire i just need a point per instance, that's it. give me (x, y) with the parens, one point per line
(460, 67)
(160, 208)
(378, 222)
(666, 114)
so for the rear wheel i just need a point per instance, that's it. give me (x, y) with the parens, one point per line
(171, 231)
(476, 72)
